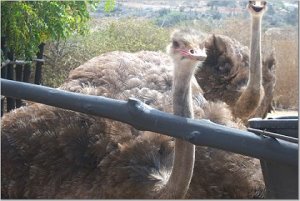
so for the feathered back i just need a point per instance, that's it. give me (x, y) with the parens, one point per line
(144, 75)
(49, 152)
(225, 73)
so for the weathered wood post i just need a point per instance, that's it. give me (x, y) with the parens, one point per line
(39, 63)
(19, 77)
(11, 102)
(27, 71)
(4, 51)
(3, 69)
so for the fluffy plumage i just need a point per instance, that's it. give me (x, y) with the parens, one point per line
(48, 152)
(225, 73)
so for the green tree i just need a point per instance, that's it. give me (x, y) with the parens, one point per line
(26, 24)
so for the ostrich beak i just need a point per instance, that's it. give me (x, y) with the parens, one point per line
(257, 6)
(199, 54)
(194, 54)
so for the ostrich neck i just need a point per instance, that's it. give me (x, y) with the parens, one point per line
(250, 98)
(182, 95)
(184, 157)
(255, 80)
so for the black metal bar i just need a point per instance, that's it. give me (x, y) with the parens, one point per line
(274, 135)
(143, 117)
(272, 123)
(2, 105)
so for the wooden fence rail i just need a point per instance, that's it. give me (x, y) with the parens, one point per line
(19, 70)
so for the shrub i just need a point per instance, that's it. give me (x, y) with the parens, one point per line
(109, 35)
(170, 18)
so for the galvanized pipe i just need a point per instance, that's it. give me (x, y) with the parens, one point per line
(143, 117)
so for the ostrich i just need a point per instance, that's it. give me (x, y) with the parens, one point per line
(226, 70)
(186, 55)
(49, 152)
(251, 97)
(57, 161)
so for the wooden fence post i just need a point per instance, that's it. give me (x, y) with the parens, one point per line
(3, 70)
(4, 51)
(19, 77)
(11, 102)
(21, 72)
(38, 69)
(27, 72)
(3, 75)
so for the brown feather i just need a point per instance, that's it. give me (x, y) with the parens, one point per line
(48, 152)
(225, 73)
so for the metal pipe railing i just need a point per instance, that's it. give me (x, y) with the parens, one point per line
(143, 117)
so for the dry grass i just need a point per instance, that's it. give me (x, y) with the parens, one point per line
(129, 35)
(286, 90)
(134, 35)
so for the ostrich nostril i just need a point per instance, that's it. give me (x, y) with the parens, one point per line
(192, 51)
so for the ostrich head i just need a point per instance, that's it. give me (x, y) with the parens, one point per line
(187, 49)
(257, 8)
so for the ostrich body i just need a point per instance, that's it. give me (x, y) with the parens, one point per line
(74, 151)
(49, 152)
(228, 74)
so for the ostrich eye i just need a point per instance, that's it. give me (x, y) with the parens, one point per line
(175, 44)
(192, 51)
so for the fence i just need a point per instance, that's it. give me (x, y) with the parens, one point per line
(279, 157)
(19, 70)
(143, 117)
